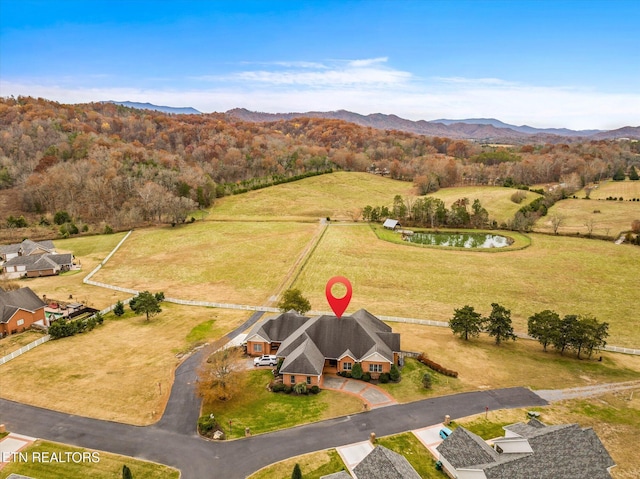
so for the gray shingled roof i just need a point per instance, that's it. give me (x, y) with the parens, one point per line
(305, 359)
(23, 298)
(41, 262)
(280, 327)
(27, 246)
(565, 451)
(337, 475)
(382, 463)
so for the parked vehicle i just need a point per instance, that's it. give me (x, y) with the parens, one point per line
(265, 360)
(445, 432)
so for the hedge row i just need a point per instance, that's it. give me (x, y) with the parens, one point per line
(436, 367)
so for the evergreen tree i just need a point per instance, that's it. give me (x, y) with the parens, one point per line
(466, 322)
(297, 472)
(356, 371)
(499, 324)
(126, 472)
(118, 309)
(145, 303)
(619, 175)
(633, 174)
(543, 326)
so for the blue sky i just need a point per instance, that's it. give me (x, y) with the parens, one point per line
(554, 63)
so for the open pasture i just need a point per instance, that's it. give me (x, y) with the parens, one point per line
(113, 372)
(335, 195)
(210, 261)
(604, 218)
(568, 275)
(495, 199)
(627, 189)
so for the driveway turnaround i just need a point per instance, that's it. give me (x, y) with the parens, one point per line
(200, 459)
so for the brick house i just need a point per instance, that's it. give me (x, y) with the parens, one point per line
(324, 344)
(20, 309)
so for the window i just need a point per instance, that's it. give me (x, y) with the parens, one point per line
(293, 379)
(309, 380)
(20, 322)
(375, 368)
(257, 348)
(346, 366)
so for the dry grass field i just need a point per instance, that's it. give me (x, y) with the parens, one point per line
(568, 275)
(334, 195)
(113, 371)
(627, 189)
(495, 199)
(483, 365)
(606, 218)
(233, 262)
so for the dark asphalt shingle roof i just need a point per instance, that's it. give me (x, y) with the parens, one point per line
(382, 463)
(337, 475)
(565, 451)
(305, 359)
(23, 298)
(27, 247)
(41, 262)
(278, 328)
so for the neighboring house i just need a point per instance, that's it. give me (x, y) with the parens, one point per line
(391, 224)
(19, 309)
(527, 450)
(38, 265)
(323, 344)
(381, 463)
(26, 248)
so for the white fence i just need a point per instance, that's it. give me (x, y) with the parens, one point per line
(24, 349)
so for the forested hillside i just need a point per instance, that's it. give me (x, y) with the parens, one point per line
(104, 163)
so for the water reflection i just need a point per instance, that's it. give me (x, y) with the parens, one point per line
(460, 240)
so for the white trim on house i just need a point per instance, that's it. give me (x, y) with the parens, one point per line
(375, 357)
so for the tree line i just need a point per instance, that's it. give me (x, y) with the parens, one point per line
(578, 333)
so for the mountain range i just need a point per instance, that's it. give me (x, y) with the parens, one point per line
(479, 129)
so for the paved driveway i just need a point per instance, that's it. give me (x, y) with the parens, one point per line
(370, 394)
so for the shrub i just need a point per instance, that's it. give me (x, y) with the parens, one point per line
(394, 374)
(356, 372)
(518, 196)
(207, 424)
(61, 217)
(314, 390)
(118, 309)
(366, 377)
(347, 374)
(436, 367)
(426, 381)
(300, 388)
(108, 230)
(98, 317)
(287, 389)
(278, 387)
(384, 378)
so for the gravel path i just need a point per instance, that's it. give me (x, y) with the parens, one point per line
(585, 391)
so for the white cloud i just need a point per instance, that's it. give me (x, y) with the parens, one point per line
(373, 89)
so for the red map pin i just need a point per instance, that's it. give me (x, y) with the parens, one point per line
(338, 305)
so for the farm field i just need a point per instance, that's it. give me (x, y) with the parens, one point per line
(90, 367)
(333, 195)
(608, 218)
(232, 262)
(495, 199)
(627, 189)
(568, 275)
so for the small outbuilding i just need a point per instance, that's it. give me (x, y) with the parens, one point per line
(391, 224)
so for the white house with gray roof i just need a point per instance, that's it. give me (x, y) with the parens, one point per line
(311, 347)
(533, 449)
(33, 259)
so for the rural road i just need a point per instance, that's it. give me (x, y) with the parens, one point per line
(200, 459)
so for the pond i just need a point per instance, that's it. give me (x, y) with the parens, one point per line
(460, 240)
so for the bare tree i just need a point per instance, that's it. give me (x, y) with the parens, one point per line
(556, 222)
(590, 224)
(220, 377)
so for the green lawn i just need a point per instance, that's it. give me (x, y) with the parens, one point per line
(568, 275)
(96, 464)
(263, 411)
(409, 446)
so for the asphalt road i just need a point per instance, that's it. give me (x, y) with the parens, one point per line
(200, 459)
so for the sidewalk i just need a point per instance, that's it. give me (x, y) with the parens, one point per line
(11, 445)
(372, 396)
